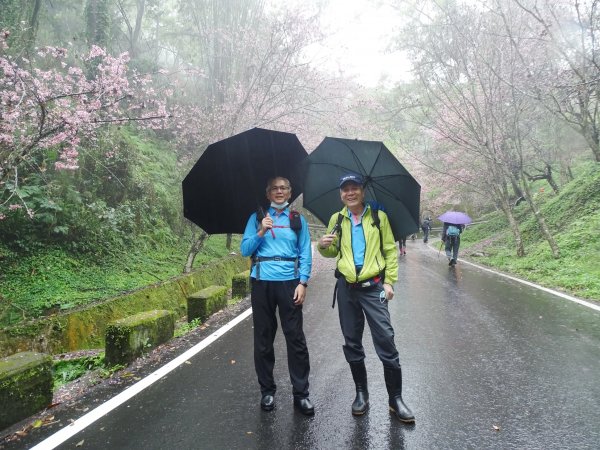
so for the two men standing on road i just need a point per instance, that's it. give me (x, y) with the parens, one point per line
(280, 247)
(367, 268)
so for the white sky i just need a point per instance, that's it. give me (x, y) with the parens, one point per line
(360, 31)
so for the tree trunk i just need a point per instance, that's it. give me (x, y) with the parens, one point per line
(194, 250)
(545, 175)
(97, 23)
(514, 227)
(141, 5)
(540, 220)
(504, 204)
(228, 242)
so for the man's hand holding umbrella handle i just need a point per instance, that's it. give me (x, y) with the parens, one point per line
(265, 225)
(326, 240)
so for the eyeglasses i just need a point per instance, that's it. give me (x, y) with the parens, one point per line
(279, 188)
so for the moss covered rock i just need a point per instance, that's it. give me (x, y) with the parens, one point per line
(129, 338)
(25, 386)
(240, 285)
(205, 302)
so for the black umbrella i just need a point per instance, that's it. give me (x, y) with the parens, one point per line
(386, 181)
(229, 180)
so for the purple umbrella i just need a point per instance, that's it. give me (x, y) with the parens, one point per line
(455, 217)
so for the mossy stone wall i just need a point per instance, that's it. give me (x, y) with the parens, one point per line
(25, 386)
(240, 285)
(128, 338)
(85, 328)
(203, 303)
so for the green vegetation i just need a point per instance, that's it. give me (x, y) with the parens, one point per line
(55, 279)
(186, 327)
(108, 229)
(67, 370)
(573, 216)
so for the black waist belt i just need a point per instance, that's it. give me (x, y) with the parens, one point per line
(258, 259)
(366, 284)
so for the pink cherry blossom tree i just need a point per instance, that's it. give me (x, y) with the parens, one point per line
(49, 107)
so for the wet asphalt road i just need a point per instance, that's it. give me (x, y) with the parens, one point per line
(488, 364)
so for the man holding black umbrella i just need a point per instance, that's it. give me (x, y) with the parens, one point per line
(279, 244)
(367, 268)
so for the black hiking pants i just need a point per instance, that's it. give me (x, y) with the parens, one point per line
(354, 305)
(267, 296)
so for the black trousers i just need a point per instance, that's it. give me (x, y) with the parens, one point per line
(266, 297)
(353, 306)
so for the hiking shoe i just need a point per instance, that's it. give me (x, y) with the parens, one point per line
(451, 262)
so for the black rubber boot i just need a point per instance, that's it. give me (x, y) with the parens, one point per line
(359, 374)
(393, 383)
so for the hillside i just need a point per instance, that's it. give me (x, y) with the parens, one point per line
(574, 217)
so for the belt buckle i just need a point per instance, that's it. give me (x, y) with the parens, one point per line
(277, 258)
(366, 284)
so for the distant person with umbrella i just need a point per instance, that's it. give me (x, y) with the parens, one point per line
(451, 238)
(367, 268)
(454, 224)
(279, 244)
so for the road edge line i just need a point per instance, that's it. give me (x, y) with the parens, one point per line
(537, 286)
(83, 422)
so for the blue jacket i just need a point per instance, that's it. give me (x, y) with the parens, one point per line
(280, 241)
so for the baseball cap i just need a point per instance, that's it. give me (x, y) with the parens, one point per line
(351, 178)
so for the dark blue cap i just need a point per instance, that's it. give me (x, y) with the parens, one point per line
(351, 178)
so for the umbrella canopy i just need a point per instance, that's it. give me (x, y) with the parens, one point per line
(229, 180)
(455, 217)
(387, 182)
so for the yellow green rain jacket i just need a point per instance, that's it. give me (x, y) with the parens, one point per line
(375, 262)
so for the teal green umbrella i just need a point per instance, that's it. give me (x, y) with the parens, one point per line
(387, 181)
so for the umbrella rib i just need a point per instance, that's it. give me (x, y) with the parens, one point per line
(356, 158)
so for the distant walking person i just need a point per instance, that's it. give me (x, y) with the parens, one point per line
(361, 240)
(451, 237)
(402, 243)
(279, 244)
(426, 227)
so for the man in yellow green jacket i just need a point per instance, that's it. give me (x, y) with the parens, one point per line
(367, 267)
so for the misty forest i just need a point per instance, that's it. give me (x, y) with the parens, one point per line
(105, 105)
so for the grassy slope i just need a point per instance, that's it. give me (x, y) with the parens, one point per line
(53, 277)
(574, 218)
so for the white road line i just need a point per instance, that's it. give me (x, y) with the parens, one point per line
(71, 430)
(537, 286)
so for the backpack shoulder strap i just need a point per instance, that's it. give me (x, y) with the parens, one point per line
(375, 214)
(377, 223)
(260, 214)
